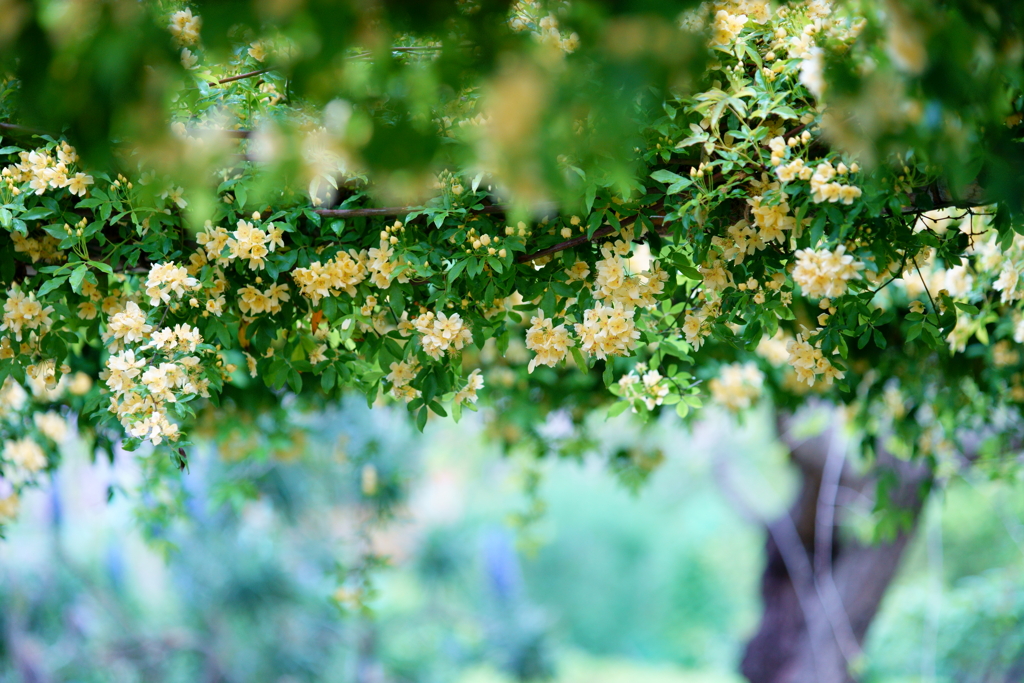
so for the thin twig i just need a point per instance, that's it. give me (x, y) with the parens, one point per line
(935, 309)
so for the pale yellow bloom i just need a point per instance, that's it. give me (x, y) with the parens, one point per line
(550, 343)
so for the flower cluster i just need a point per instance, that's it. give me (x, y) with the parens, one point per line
(127, 326)
(252, 301)
(824, 273)
(1007, 284)
(26, 458)
(614, 285)
(771, 220)
(809, 362)
(23, 455)
(467, 394)
(650, 387)
(742, 241)
(22, 311)
(697, 324)
(166, 279)
(608, 331)
(402, 373)
(737, 386)
(551, 343)
(525, 17)
(382, 265)
(142, 387)
(252, 243)
(825, 189)
(185, 27)
(485, 243)
(726, 27)
(343, 273)
(775, 349)
(45, 169)
(440, 333)
(42, 248)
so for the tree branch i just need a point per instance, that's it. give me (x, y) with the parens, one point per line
(396, 211)
(824, 530)
(21, 130)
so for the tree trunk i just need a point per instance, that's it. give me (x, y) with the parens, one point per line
(820, 588)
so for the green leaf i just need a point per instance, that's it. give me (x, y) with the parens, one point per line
(547, 303)
(50, 285)
(967, 308)
(457, 269)
(663, 175)
(617, 408)
(99, 265)
(581, 362)
(35, 214)
(77, 276)
(56, 231)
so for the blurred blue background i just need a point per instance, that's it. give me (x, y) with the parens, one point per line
(358, 550)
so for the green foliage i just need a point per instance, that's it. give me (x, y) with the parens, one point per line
(732, 204)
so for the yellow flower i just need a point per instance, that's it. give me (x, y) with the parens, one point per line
(608, 331)
(737, 386)
(550, 343)
(825, 273)
(441, 333)
(25, 454)
(23, 311)
(474, 383)
(318, 355)
(257, 51)
(185, 27)
(79, 184)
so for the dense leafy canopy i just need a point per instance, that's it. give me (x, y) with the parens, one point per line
(242, 204)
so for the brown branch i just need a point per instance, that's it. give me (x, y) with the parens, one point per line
(23, 130)
(582, 239)
(231, 79)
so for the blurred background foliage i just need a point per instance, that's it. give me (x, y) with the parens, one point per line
(348, 551)
(105, 72)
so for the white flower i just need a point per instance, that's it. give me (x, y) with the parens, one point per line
(812, 72)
